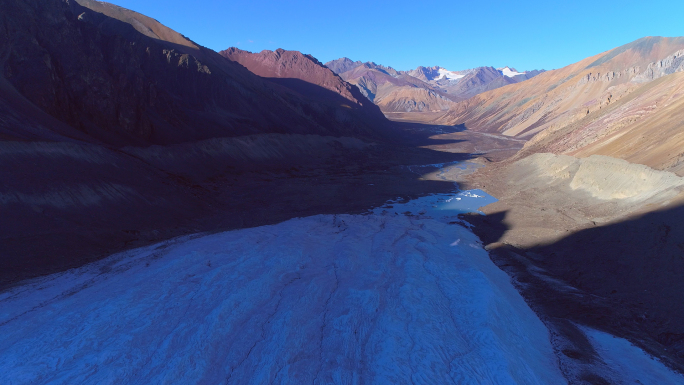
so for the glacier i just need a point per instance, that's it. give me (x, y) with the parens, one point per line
(400, 295)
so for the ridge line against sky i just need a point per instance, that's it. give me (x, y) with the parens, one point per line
(405, 35)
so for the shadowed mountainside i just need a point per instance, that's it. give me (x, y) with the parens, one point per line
(123, 78)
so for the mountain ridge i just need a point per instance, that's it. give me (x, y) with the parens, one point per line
(424, 89)
(601, 105)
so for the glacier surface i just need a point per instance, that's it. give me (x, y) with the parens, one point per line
(377, 299)
(396, 296)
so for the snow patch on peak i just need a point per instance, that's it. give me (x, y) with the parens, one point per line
(507, 71)
(446, 74)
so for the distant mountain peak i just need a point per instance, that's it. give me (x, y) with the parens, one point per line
(510, 72)
(343, 65)
(397, 91)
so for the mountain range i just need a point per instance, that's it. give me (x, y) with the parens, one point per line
(424, 89)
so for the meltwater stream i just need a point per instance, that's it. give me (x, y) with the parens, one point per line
(396, 296)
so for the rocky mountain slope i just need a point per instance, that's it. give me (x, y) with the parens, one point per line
(307, 76)
(624, 103)
(424, 89)
(121, 78)
(395, 91)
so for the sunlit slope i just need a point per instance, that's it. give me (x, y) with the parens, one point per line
(413, 99)
(556, 99)
(143, 24)
(646, 127)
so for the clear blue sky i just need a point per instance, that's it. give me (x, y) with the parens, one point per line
(406, 34)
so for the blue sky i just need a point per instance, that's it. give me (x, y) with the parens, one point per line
(406, 34)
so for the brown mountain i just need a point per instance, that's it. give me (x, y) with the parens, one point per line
(425, 73)
(342, 65)
(122, 78)
(308, 77)
(394, 91)
(590, 209)
(476, 81)
(623, 103)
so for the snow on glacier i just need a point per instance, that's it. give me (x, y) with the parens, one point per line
(378, 298)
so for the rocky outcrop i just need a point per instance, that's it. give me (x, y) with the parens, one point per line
(669, 65)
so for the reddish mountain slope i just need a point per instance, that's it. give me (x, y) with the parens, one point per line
(310, 78)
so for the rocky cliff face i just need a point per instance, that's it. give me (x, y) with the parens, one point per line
(669, 65)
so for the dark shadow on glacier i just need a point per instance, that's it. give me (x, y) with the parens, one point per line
(623, 278)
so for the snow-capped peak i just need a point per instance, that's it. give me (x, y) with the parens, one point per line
(450, 75)
(506, 71)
